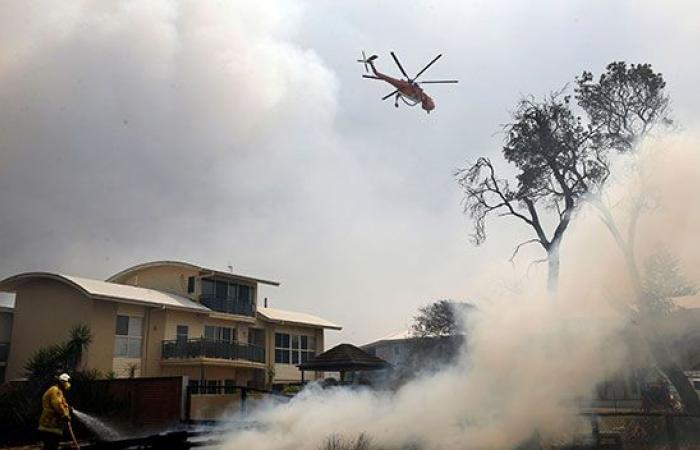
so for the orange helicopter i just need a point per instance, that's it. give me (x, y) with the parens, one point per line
(408, 90)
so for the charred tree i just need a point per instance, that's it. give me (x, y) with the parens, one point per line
(557, 161)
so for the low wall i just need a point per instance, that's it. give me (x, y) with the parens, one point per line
(226, 404)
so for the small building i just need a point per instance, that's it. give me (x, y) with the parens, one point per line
(346, 359)
(166, 318)
(394, 348)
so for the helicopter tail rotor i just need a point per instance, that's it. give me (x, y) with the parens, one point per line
(367, 61)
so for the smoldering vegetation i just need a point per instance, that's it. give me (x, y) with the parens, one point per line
(338, 442)
(532, 362)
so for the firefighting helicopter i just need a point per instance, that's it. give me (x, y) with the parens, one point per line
(408, 90)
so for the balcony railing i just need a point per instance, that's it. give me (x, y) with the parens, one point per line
(4, 350)
(208, 348)
(228, 305)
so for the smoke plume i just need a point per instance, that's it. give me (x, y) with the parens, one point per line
(531, 360)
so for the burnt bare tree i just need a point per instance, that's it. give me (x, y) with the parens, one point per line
(624, 105)
(559, 161)
(562, 163)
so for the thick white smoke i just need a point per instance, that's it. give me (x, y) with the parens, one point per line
(530, 359)
(132, 124)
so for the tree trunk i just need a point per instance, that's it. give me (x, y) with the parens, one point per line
(553, 269)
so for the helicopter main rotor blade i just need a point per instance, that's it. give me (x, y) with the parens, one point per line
(438, 81)
(371, 76)
(426, 67)
(389, 95)
(399, 64)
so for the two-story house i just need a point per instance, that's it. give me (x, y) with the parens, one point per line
(165, 318)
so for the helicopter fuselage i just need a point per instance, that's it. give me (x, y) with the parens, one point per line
(410, 91)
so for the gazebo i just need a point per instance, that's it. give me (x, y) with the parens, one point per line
(343, 358)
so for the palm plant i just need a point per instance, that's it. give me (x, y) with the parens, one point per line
(47, 362)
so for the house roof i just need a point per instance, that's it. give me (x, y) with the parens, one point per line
(393, 337)
(344, 357)
(104, 290)
(202, 270)
(295, 318)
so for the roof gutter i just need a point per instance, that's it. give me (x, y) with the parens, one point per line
(304, 324)
(215, 273)
(148, 304)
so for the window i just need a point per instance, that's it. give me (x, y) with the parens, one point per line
(209, 386)
(190, 285)
(307, 348)
(282, 349)
(122, 325)
(127, 342)
(227, 297)
(221, 289)
(244, 293)
(215, 333)
(281, 340)
(208, 288)
(213, 386)
(229, 386)
(293, 349)
(231, 291)
(295, 345)
(696, 385)
(182, 332)
(226, 334)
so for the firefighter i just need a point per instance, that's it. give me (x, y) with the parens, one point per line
(55, 414)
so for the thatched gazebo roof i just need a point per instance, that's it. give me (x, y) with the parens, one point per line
(344, 358)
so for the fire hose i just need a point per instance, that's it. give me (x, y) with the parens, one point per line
(72, 435)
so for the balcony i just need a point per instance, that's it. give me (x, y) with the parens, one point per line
(207, 348)
(228, 305)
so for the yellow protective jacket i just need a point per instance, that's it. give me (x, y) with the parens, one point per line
(55, 411)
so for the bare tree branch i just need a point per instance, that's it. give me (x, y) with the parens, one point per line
(519, 246)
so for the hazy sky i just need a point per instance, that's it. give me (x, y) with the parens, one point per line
(241, 133)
